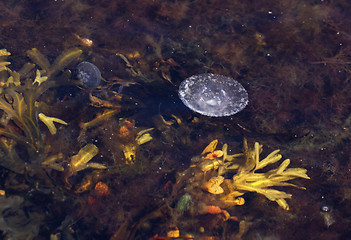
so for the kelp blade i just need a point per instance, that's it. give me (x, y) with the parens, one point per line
(64, 59)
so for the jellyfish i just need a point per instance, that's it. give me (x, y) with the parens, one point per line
(88, 74)
(213, 95)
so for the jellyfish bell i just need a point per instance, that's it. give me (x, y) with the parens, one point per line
(213, 95)
(88, 74)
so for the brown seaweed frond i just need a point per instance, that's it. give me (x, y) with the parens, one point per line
(19, 93)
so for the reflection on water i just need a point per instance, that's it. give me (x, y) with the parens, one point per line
(124, 160)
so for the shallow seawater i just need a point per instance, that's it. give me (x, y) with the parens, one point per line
(126, 160)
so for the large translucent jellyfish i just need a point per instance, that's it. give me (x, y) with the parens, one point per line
(213, 95)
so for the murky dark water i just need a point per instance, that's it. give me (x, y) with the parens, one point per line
(125, 160)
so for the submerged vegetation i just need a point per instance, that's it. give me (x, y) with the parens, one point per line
(23, 142)
(96, 144)
(247, 177)
(20, 91)
(213, 184)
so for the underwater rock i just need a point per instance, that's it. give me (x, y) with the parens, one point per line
(88, 75)
(213, 95)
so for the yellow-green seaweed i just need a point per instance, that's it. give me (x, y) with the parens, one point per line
(19, 92)
(81, 160)
(248, 175)
(49, 122)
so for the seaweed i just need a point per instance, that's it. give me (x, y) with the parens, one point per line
(20, 92)
(248, 176)
(213, 186)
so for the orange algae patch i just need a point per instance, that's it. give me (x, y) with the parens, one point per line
(126, 130)
(215, 154)
(211, 209)
(101, 189)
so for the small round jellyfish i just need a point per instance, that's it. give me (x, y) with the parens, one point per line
(213, 95)
(88, 75)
